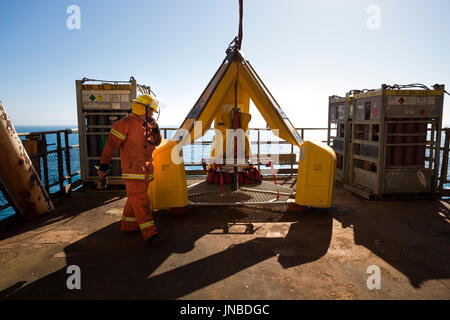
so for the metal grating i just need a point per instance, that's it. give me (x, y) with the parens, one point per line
(239, 197)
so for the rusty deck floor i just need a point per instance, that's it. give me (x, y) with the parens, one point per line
(258, 252)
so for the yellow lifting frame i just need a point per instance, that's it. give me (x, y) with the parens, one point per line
(236, 68)
(317, 161)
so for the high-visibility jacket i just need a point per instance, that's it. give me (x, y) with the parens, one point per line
(135, 149)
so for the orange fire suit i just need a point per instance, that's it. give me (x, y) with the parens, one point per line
(137, 170)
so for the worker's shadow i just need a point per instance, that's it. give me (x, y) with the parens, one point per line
(65, 211)
(115, 266)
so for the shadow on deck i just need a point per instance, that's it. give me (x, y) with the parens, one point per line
(209, 245)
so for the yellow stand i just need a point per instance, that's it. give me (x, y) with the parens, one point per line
(169, 189)
(315, 177)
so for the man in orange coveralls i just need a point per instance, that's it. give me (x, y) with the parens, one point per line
(136, 144)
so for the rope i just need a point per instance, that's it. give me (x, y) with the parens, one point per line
(270, 164)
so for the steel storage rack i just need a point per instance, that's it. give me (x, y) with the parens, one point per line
(100, 103)
(340, 114)
(396, 141)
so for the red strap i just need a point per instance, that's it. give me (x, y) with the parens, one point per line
(221, 178)
(274, 178)
(236, 125)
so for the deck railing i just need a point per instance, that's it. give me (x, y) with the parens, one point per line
(55, 160)
(261, 141)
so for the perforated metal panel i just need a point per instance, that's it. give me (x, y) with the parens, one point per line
(99, 105)
(340, 117)
(396, 141)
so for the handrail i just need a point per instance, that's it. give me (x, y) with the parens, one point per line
(64, 157)
(39, 133)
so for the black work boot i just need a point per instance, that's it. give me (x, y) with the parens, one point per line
(154, 239)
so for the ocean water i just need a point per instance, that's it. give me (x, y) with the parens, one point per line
(192, 153)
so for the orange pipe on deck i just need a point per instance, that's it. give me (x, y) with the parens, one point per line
(17, 173)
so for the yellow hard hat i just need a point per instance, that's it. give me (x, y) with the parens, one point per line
(144, 101)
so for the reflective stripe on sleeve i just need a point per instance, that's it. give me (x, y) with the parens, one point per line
(128, 219)
(133, 176)
(118, 134)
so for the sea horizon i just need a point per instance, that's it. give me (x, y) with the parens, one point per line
(21, 128)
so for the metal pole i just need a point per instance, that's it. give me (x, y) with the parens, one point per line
(259, 151)
(60, 163)
(10, 201)
(433, 155)
(235, 184)
(45, 162)
(444, 168)
(67, 151)
(292, 159)
(438, 141)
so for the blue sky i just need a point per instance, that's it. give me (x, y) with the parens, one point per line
(303, 50)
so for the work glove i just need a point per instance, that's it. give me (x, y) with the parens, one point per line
(101, 175)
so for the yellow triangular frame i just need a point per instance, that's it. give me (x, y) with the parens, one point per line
(235, 68)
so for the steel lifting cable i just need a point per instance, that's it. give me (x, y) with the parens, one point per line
(435, 87)
(111, 81)
(241, 13)
(145, 89)
(142, 88)
(353, 91)
(414, 85)
(237, 41)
